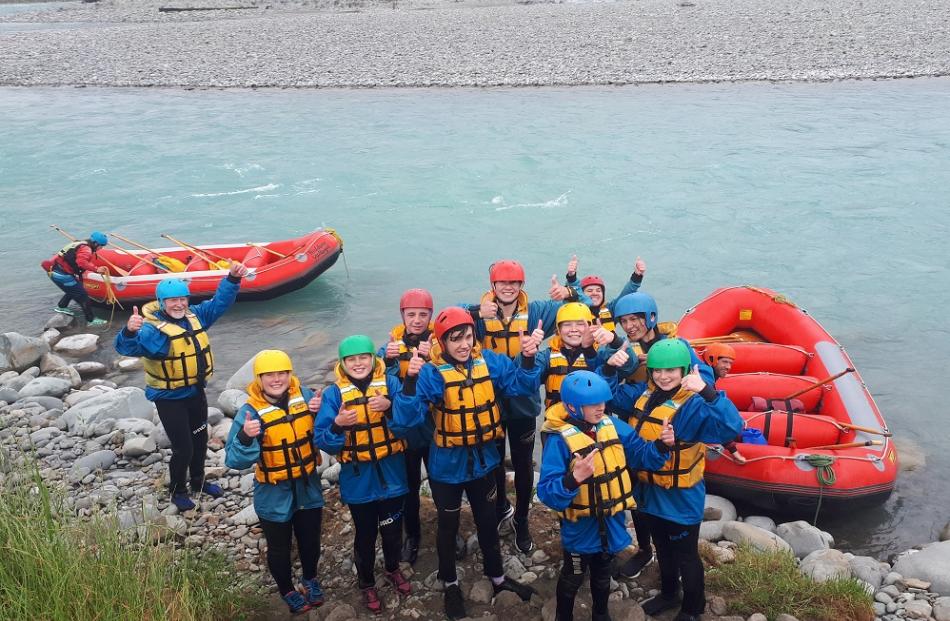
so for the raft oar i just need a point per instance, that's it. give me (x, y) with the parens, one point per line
(118, 269)
(274, 252)
(142, 259)
(822, 382)
(830, 447)
(171, 264)
(734, 337)
(825, 419)
(220, 262)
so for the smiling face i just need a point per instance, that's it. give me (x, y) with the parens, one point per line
(459, 343)
(723, 366)
(358, 366)
(595, 413)
(506, 290)
(275, 384)
(572, 332)
(667, 379)
(635, 326)
(416, 320)
(595, 293)
(175, 307)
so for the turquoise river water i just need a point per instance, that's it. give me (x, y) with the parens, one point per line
(834, 194)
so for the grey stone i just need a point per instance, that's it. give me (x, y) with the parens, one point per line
(50, 336)
(45, 386)
(51, 361)
(868, 569)
(726, 508)
(138, 446)
(67, 373)
(802, 537)
(514, 567)
(78, 345)
(9, 394)
(917, 609)
(712, 513)
(481, 592)
(48, 403)
(135, 426)
(941, 609)
(128, 402)
(711, 531)
(506, 599)
(758, 538)
(892, 577)
(89, 369)
(80, 395)
(944, 533)
(59, 321)
(18, 352)
(625, 610)
(230, 401)
(763, 522)
(100, 460)
(246, 516)
(41, 437)
(332, 474)
(932, 564)
(215, 416)
(127, 364)
(243, 376)
(824, 565)
(758, 616)
(717, 605)
(160, 438)
(343, 612)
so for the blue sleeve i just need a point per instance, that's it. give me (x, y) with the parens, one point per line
(509, 379)
(555, 463)
(236, 455)
(612, 379)
(412, 410)
(641, 455)
(211, 310)
(323, 435)
(542, 360)
(712, 422)
(630, 286)
(393, 388)
(625, 397)
(705, 371)
(148, 342)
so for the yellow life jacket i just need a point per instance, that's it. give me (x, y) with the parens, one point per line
(558, 368)
(286, 436)
(398, 332)
(667, 328)
(610, 489)
(687, 460)
(501, 336)
(369, 440)
(468, 414)
(605, 316)
(188, 362)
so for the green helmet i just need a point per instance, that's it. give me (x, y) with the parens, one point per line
(669, 354)
(356, 344)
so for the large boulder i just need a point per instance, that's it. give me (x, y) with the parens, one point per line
(726, 508)
(758, 538)
(824, 565)
(231, 400)
(243, 376)
(802, 537)
(50, 403)
(138, 446)
(45, 387)
(931, 564)
(78, 345)
(869, 569)
(67, 373)
(128, 402)
(51, 361)
(18, 352)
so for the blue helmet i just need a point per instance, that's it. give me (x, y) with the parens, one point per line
(584, 388)
(638, 302)
(98, 238)
(171, 288)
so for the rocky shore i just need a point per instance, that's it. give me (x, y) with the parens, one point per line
(423, 43)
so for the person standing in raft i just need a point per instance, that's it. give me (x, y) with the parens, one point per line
(356, 423)
(171, 338)
(462, 385)
(586, 477)
(671, 498)
(503, 314)
(65, 269)
(593, 287)
(273, 431)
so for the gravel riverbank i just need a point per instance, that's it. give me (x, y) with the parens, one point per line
(472, 43)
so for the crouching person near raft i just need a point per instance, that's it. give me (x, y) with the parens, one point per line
(671, 498)
(586, 477)
(462, 385)
(274, 432)
(172, 339)
(65, 269)
(355, 422)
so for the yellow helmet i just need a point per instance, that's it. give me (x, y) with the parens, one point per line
(574, 311)
(271, 361)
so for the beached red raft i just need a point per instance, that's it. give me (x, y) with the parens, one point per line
(781, 349)
(277, 268)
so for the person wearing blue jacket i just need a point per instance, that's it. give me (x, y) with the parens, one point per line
(671, 498)
(356, 423)
(273, 432)
(586, 477)
(460, 389)
(503, 314)
(171, 338)
(594, 288)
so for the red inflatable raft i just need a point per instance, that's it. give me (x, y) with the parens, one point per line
(780, 350)
(275, 267)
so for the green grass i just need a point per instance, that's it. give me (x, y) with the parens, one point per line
(770, 583)
(53, 565)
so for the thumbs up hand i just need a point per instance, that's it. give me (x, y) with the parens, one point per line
(558, 291)
(619, 358)
(602, 335)
(693, 381)
(424, 348)
(314, 404)
(134, 324)
(346, 418)
(572, 266)
(488, 310)
(379, 403)
(587, 337)
(666, 433)
(415, 363)
(392, 348)
(531, 343)
(252, 427)
(640, 267)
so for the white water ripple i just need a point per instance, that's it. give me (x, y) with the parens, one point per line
(560, 201)
(260, 188)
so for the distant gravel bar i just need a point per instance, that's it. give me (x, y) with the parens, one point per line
(321, 44)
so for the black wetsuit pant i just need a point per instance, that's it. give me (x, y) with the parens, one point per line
(573, 569)
(642, 527)
(186, 425)
(414, 459)
(73, 290)
(382, 518)
(305, 525)
(520, 431)
(677, 552)
(481, 498)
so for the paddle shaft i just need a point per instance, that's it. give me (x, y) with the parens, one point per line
(118, 269)
(130, 242)
(207, 255)
(825, 419)
(274, 252)
(845, 445)
(828, 379)
(734, 337)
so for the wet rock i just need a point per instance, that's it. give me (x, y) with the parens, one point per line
(932, 564)
(758, 538)
(230, 401)
(824, 565)
(18, 352)
(802, 537)
(78, 345)
(726, 508)
(46, 386)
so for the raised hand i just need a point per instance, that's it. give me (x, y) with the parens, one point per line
(252, 427)
(314, 404)
(572, 265)
(346, 418)
(392, 348)
(602, 335)
(134, 324)
(378, 402)
(666, 433)
(619, 358)
(488, 310)
(587, 337)
(558, 291)
(693, 381)
(415, 363)
(640, 267)
(425, 347)
(583, 467)
(237, 269)
(531, 343)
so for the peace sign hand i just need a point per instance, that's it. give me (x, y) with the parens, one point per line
(314, 404)
(134, 324)
(666, 433)
(415, 363)
(379, 403)
(583, 467)
(693, 381)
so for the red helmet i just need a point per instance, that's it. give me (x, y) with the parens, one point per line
(715, 351)
(416, 298)
(506, 270)
(451, 317)
(587, 281)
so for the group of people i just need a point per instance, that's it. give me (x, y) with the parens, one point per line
(625, 421)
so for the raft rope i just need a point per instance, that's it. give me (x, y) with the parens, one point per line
(111, 298)
(824, 469)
